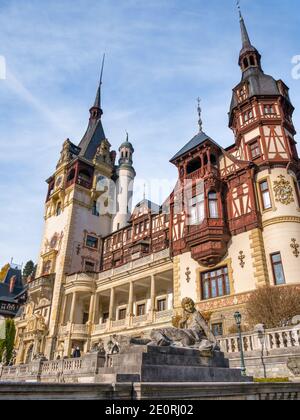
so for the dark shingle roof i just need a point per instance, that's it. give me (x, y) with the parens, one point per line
(196, 141)
(259, 84)
(92, 139)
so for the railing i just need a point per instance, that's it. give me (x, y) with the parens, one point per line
(46, 281)
(163, 315)
(117, 324)
(79, 329)
(273, 339)
(100, 328)
(134, 264)
(140, 319)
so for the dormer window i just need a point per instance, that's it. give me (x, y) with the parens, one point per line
(242, 94)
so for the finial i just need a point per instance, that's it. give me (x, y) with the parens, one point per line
(239, 8)
(199, 114)
(101, 79)
(127, 137)
(144, 196)
(102, 69)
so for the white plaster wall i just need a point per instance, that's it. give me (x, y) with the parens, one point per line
(188, 289)
(124, 198)
(280, 210)
(243, 278)
(277, 238)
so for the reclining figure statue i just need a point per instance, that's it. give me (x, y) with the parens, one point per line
(191, 330)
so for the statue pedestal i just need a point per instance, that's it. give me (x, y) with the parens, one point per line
(168, 364)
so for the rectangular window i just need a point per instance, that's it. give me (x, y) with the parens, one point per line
(141, 310)
(89, 266)
(265, 195)
(122, 313)
(95, 209)
(269, 109)
(215, 284)
(255, 150)
(161, 305)
(213, 205)
(91, 242)
(277, 266)
(197, 210)
(217, 329)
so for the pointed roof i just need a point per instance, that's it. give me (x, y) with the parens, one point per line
(196, 141)
(94, 134)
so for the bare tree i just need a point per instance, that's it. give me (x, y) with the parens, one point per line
(273, 306)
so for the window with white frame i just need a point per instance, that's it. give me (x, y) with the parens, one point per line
(197, 209)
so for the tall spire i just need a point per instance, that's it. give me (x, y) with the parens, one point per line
(245, 36)
(97, 103)
(249, 56)
(200, 123)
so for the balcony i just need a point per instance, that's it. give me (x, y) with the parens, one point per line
(208, 241)
(153, 258)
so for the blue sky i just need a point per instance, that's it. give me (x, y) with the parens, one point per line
(161, 55)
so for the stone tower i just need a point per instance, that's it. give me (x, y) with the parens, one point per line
(76, 217)
(124, 185)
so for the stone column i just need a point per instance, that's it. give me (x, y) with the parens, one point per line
(112, 304)
(92, 309)
(153, 298)
(73, 307)
(153, 293)
(63, 312)
(96, 309)
(130, 304)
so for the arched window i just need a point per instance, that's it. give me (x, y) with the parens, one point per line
(252, 60)
(246, 64)
(58, 209)
(213, 205)
(193, 165)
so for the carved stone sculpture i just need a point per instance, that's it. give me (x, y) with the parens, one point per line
(191, 331)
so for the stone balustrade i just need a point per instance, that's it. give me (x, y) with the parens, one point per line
(271, 340)
(64, 370)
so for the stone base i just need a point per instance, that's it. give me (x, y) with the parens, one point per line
(168, 364)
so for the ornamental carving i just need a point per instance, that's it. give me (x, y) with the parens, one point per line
(295, 247)
(242, 258)
(283, 191)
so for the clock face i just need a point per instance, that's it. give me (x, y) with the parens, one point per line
(59, 181)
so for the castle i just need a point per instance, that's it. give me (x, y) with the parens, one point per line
(231, 225)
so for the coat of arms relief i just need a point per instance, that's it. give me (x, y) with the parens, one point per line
(283, 191)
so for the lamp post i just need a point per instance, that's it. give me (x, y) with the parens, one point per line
(260, 329)
(238, 320)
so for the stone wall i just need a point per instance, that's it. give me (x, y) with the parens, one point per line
(153, 391)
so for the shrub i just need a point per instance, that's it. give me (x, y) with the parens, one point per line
(273, 306)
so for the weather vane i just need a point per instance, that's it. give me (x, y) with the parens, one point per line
(199, 113)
